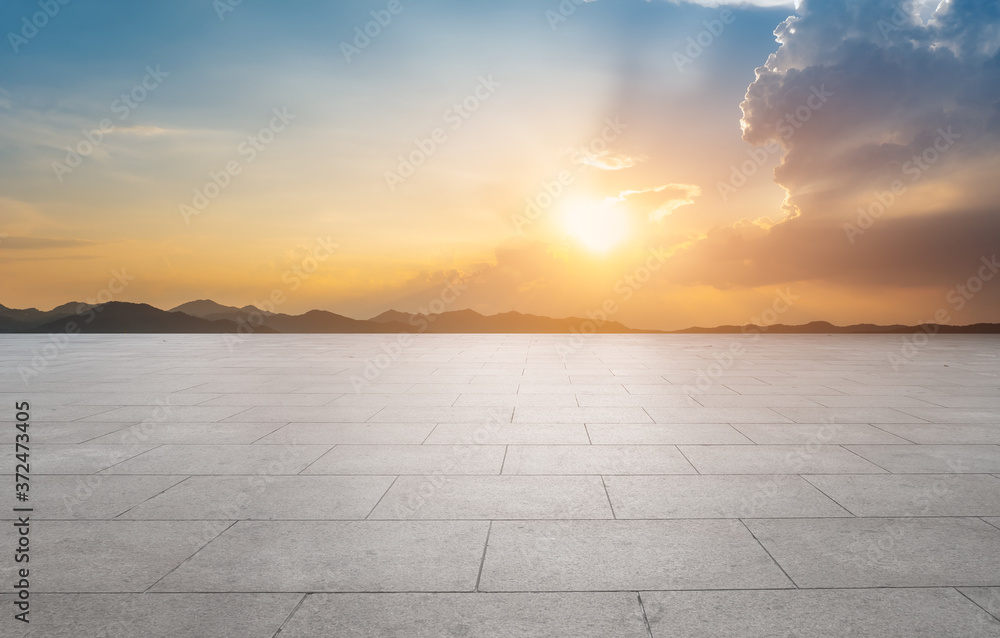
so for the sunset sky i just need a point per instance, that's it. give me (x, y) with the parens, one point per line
(691, 163)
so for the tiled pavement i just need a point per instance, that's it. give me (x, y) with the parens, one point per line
(507, 485)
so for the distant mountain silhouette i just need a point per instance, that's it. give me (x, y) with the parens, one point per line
(207, 316)
(119, 316)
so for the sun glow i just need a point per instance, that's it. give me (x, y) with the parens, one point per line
(597, 226)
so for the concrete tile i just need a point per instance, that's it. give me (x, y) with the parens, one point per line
(755, 401)
(60, 413)
(559, 615)
(348, 434)
(831, 613)
(156, 615)
(151, 399)
(303, 414)
(167, 412)
(494, 497)
(72, 431)
(595, 459)
(801, 433)
(951, 433)
(975, 459)
(516, 434)
(662, 434)
(408, 399)
(91, 496)
(848, 415)
(874, 401)
(882, 552)
(104, 556)
(514, 400)
(410, 459)
(776, 459)
(986, 597)
(77, 459)
(222, 459)
(956, 415)
(394, 414)
(913, 494)
(265, 498)
(260, 399)
(590, 556)
(545, 415)
(701, 496)
(336, 556)
(188, 433)
(716, 415)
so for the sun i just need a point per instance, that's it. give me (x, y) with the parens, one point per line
(597, 226)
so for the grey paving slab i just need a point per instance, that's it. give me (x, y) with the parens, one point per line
(560, 615)
(494, 497)
(951, 433)
(831, 613)
(913, 494)
(154, 615)
(515, 400)
(715, 415)
(874, 401)
(849, 415)
(265, 498)
(91, 496)
(167, 412)
(956, 415)
(151, 399)
(77, 459)
(59, 413)
(986, 597)
(222, 459)
(348, 434)
(188, 433)
(408, 399)
(259, 399)
(663, 434)
(882, 552)
(332, 556)
(301, 414)
(821, 433)
(932, 458)
(104, 556)
(545, 415)
(72, 431)
(776, 459)
(595, 459)
(701, 496)
(591, 556)
(410, 459)
(755, 401)
(509, 434)
(396, 414)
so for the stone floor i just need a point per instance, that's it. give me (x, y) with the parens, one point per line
(507, 485)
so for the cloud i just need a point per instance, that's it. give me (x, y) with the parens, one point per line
(656, 203)
(606, 160)
(912, 100)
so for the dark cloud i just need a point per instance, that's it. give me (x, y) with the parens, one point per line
(910, 98)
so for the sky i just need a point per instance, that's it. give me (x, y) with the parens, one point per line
(662, 164)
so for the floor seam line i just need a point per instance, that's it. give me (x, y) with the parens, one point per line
(290, 614)
(790, 579)
(482, 562)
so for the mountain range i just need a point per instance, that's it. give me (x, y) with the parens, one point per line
(206, 316)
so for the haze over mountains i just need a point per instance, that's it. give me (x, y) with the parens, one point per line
(206, 316)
